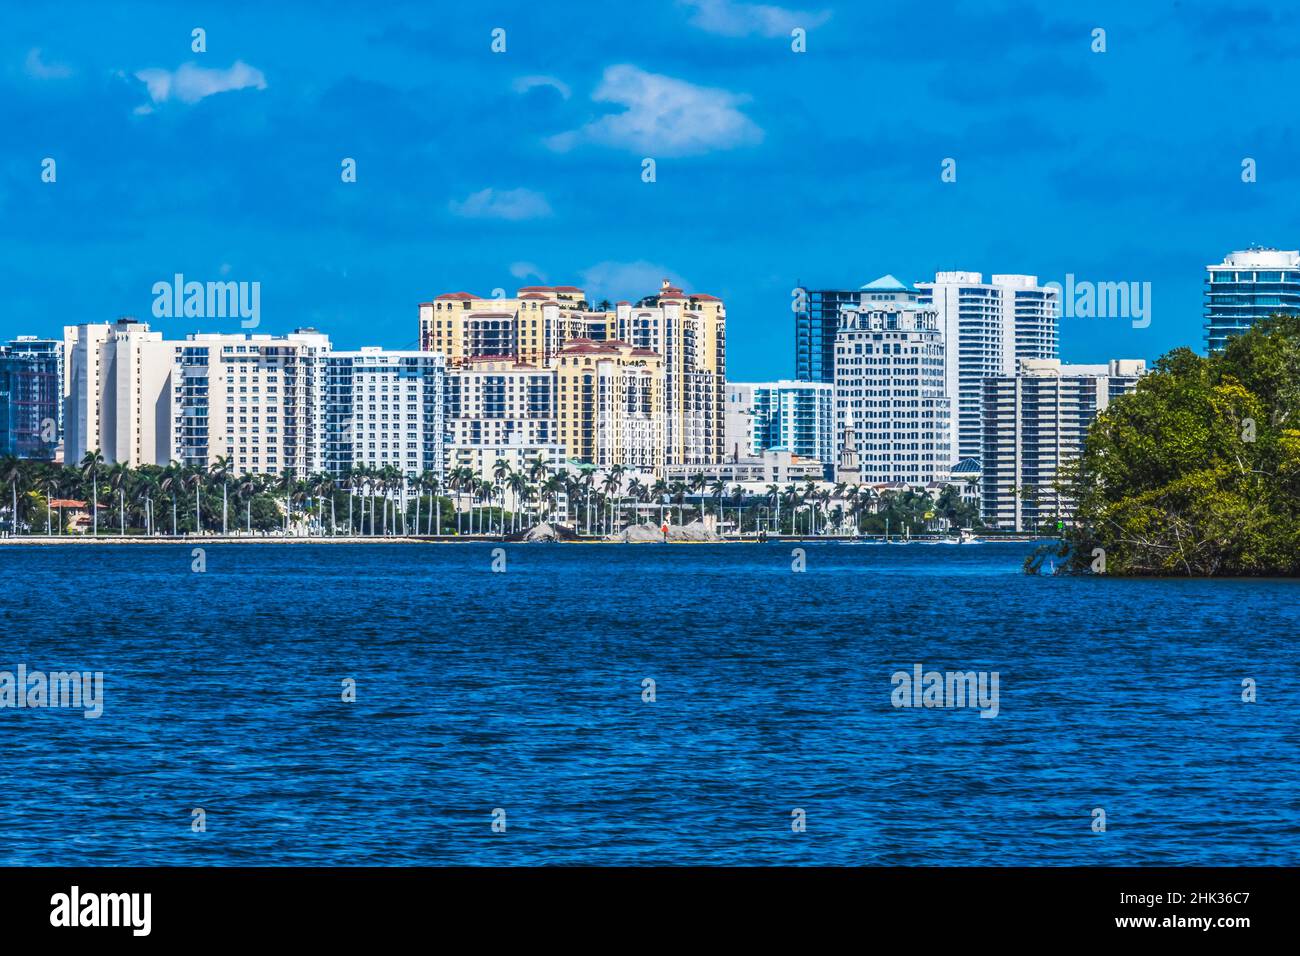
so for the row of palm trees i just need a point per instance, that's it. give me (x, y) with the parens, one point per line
(188, 498)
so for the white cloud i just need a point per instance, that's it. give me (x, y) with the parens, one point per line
(627, 280)
(511, 204)
(190, 83)
(732, 19)
(40, 70)
(526, 83)
(665, 116)
(525, 270)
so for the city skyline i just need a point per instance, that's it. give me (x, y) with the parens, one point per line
(491, 170)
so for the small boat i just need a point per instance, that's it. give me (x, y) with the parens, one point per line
(967, 536)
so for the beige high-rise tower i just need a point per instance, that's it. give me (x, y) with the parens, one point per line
(530, 328)
(118, 393)
(610, 408)
(689, 331)
(684, 332)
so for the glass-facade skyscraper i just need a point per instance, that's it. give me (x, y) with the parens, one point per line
(816, 317)
(31, 397)
(1248, 285)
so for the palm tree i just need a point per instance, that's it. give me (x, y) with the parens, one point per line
(62, 485)
(119, 473)
(287, 483)
(582, 485)
(501, 473)
(809, 495)
(196, 480)
(791, 495)
(435, 503)
(90, 468)
(537, 469)
(146, 488)
(677, 491)
(659, 491)
(635, 490)
(322, 487)
(468, 480)
(345, 478)
(455, 476)
(386, 494)
(418, 483)
(738, 493)
(697, 483)
(551, 490)
(517, 482)
(774, 501)
(613, 483)
(11, 473)
(173, 478)
(219, 470)
(369, 482)
(247, 489)
(718, 489)
(473, 489)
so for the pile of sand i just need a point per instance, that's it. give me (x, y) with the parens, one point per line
(542, 532)
(647, 533)
(695, 531)
(637, 534)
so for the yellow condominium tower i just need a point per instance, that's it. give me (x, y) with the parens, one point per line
(611, 404)
(689, 331)
(530, 328)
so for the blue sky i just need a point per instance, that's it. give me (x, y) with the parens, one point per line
(478, 170)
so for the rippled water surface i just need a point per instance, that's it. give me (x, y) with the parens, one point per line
(523, 691)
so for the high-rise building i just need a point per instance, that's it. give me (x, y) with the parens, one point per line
(816, 320)
(530, 328)
(256, 400)
(31, 397)
(987, 327)
(1247, 286)
(493, 401)
(384, 409)
(118, 393)
(689, 332)
(892, 414)
(611, 405)
(798, 417)
(738, 422)
(1034, 423)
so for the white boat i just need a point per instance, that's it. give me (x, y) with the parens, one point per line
(967, 536)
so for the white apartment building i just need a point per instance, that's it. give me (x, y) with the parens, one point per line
(384, 409)
(496, 402)
(118, 393)
(892, 414)
(1034, 423)
(987, 327)
(738, 422)
(256, 400)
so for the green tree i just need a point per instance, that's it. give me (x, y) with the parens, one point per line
(1198, 472)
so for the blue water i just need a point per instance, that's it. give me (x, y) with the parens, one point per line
(523, 691)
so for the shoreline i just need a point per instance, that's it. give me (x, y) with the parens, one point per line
(196, 540)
